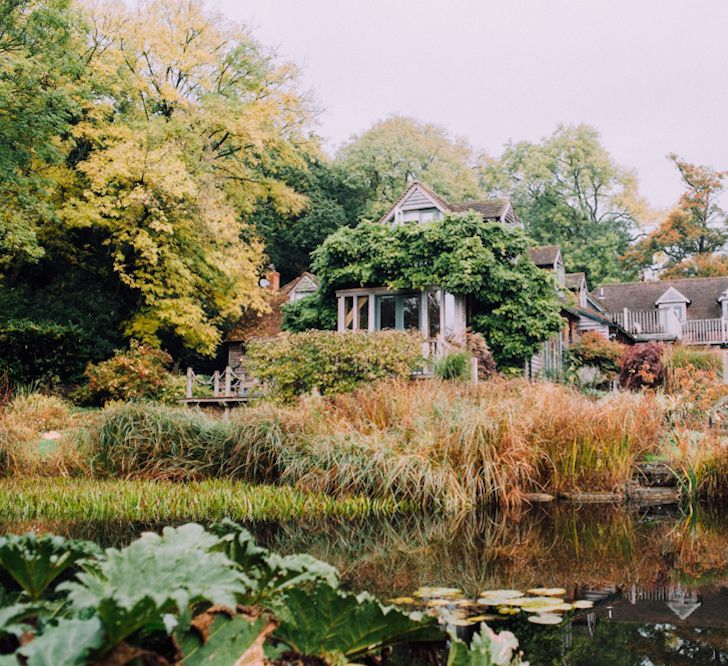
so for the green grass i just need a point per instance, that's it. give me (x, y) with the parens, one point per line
(44, 498)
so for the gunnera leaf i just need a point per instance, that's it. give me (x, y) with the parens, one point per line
(157, 575)
(66, 643)
(34, 562)
(11, 618)
(324, 621)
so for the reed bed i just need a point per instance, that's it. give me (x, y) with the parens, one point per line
(430, 444)
(72, 499)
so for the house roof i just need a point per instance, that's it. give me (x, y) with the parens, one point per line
(702, 294)
(490, 209)
(267, 324)
(544, 255)
(575, 280)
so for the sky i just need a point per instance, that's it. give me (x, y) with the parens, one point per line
(650, 75)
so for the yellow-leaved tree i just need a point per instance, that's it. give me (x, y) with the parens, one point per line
(189, 127)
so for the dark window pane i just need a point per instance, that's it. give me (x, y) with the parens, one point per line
(387, 309)
(411, 309)
(362, 304)
(349, 312)
(433, 313)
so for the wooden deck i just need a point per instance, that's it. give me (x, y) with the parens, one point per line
(223, 390)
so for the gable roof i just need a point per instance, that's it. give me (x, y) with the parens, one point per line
(703, 295)
(286, 289)
(544, 255)
(672, 295)
(490, 209)
(575, 281)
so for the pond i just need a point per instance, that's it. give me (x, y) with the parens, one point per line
(658, 577)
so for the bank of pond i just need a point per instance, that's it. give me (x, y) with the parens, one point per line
(573, 585)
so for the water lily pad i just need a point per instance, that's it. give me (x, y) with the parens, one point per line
(508, 610)
(564, 607)
(541, 604)
(502, 594)
(483, 618)
(547, 591)
(402, 601)
(582, 603)
(434, 603)
(545, 618)
(438, 592)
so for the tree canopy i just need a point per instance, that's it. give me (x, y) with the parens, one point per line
(379, 163)
(514, 303)
(695, 229)
(569, 191)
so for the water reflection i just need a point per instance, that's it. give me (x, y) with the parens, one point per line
(659, 578)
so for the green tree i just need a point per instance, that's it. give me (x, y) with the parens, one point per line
(378, 163)
(568, 190)
(695, 229)
(514, 303)
(42, 87)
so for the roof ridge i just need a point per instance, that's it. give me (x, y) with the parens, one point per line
(702, 277)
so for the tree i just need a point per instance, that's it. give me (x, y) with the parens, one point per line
(379, 163)
(514, 303)
(191, 123)
(695, 229)
(568, 190)
(42, 86)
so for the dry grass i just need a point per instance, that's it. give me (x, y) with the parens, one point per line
(432, 443)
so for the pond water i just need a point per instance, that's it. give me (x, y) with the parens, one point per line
(658, 577)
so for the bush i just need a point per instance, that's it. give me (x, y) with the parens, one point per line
(140, 373)
(307, 314)
(642, 367)
(45, 352)
(594, 350)
(478, 348)
(296, 363)
(455, 365)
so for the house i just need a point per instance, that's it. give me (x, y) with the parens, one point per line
(441, 317)
(268, 324)
(693, 311)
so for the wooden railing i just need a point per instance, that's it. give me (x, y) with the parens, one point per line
(227, 384)
(640, 322)
(705, 331)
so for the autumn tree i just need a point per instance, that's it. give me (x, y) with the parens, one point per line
(569, 191)
(378, 163)
(693, 231)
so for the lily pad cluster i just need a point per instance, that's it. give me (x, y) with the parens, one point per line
(541, 605)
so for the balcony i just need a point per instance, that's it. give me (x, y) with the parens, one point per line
(646, 325)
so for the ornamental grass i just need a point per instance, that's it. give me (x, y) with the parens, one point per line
(427, 443)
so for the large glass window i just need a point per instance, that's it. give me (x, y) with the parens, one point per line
(411, 311)
(348, 312)
(362, 305)
(433, 313)
(386, 312)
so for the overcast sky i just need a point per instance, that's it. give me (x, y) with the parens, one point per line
(651, 75)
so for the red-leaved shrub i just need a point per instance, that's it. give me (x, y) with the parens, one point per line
(642, 367)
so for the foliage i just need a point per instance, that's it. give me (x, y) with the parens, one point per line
(379, 163)
(593, 353)
(701, 265)
(514, 303)
(46, 352)
(455, 365)
(695, 228)
(642, 367)
(309, 313)
(569, 191)
(429, 444)
(478, 348)
(35, 562)
(297, 363)
(139, 373)
(177, 595)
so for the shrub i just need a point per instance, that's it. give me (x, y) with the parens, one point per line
(478, 348)
(694, 376)
(47, 352)
(455, 365)
(138, 373)
(642, 367)
(594, 350)
(296, 363)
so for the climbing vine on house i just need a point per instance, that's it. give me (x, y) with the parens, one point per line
(514, 304)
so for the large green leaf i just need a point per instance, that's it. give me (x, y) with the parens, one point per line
(11, 618)
(35, 562)
(157, 575)
(485, 649)
(229, 638)
(326, 622)
(66, 643)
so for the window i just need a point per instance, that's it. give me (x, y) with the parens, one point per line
(348, 312)
(400, 311)
(386, 312)
(362, 305)
(433, 313)
(411, 312)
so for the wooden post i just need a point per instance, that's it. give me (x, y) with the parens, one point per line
(625, 315)
(216, 383)
(474, 369)
(190, 381)
(228, 380)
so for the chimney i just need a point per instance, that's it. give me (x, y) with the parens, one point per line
(274, 278)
